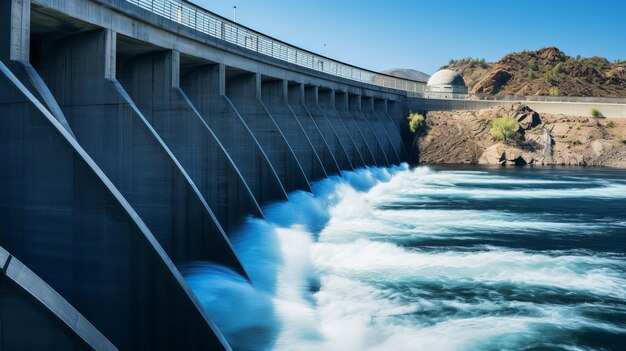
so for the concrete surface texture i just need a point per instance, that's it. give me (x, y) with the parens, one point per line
(133, 146)
(613, 110)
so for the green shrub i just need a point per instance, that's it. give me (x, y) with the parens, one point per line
(579, 126)
(416, 120)
(611, 124)
(572, 139)
(471, 60)
(505, 128)
(596, 113)
(553, 91)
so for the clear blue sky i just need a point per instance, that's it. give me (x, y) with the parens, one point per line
(424, 35)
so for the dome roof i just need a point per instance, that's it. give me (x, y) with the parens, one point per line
(446, 77)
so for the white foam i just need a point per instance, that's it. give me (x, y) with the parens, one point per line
(422, 184)
(377, 261)
(342, 241)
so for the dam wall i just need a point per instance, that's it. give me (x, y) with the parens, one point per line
(134, 143)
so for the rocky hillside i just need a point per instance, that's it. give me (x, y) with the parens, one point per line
(547, 71)
(463, 137)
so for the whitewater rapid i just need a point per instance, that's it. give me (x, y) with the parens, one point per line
(419, 259)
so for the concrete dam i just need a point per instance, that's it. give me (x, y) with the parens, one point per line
(136, 135)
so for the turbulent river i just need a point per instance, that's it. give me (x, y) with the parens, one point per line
(431, 259)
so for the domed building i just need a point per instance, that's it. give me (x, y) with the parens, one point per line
(445, 84)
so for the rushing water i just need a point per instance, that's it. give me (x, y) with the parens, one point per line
(431, 259)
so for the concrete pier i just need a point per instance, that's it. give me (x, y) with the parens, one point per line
(244, 90)
(275, 95)
(206, 88)
(64, 219)
(335, 135)
(342, 105)
(382, 136)
(110, 126)
(296, 101)
(380, 111)
(153, 82)
(327, 102)
(364, 122)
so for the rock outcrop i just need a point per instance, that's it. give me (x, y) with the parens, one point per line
(492, 82)
(463, 137)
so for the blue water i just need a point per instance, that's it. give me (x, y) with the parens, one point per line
(431, 259)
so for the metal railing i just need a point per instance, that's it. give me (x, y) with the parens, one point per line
(582, 99)
(202, 20)
(517, 98)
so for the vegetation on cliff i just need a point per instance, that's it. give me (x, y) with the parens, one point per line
(505, 129)
(467, 137)
(596, 113)
(416, 120)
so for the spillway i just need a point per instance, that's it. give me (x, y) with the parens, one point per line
(140, 136)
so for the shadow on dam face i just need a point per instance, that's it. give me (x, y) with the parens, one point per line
(296, 100)
(274, 98)
(152, 81)
(205, 87)
(328, 107)
(382, 136)
(64, 219)
(330, 132)
(354, 127)
(364, 121)
(244, 90)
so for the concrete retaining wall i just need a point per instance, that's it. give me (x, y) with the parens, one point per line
(566, 108)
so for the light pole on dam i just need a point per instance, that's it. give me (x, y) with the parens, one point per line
(134, 140)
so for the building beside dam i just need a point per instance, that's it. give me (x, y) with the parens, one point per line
(445, 84)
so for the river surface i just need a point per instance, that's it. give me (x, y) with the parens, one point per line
(431, 259)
